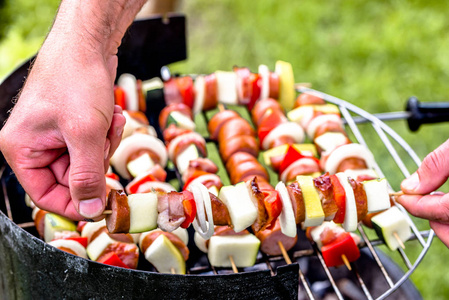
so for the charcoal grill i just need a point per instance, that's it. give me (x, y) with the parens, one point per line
(31, 269)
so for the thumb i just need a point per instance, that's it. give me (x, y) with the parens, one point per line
(432, 173)
(86, 177)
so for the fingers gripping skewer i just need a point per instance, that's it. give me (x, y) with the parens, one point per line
(397, 194)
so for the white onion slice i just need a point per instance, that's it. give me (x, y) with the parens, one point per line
(128, 83)
(205, 228)
(226, 87)
(264, 72)
(113, 184)
(178, 139)
(319, 120)
(155, 185)
(204, 178)
(307, 162)
(286, 218)
(346, 151)
(290, 129)
(200, 87)
(132, 124)
(69, 244)
(135, 143)
(350, 222)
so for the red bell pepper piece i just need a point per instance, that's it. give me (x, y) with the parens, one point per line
(196, 174)
(343, 245)
(120, 97)
(340, 199)
(81, 240)
(273, 206)
(185, 86)
(112, 259)
(133, 188)
(112, 176)
(189, 208)
(271, 120)
(291, 156)
(256, 83)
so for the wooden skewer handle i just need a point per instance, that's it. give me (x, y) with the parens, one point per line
(107, 212)
(396, 194)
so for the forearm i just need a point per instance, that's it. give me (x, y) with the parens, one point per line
(86, 30)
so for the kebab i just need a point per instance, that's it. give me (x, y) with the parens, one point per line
(166, 251)
(275, 131)
(138, 153)
(182, 143)
(113, 249)
(316, 216)
(337, 246)
(227, 248)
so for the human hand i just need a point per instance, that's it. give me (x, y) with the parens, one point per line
(64, 127)
(432, 173)
(61, 134)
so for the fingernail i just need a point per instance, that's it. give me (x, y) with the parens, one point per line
(106, 150)
(411, 183)
(118, 109)
(120, 131)
(91, 208)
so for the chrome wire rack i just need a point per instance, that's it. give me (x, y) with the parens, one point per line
(383, 131)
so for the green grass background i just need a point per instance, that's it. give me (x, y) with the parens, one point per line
(374, 54)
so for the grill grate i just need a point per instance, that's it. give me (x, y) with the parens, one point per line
(307, 255)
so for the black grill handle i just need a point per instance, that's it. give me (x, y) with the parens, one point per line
(426, 113)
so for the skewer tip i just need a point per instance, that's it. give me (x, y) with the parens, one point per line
(398, 239)
(221, 107)
(346, 262)
(107, 212)
(234, 267)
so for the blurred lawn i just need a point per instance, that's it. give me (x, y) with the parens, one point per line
(374, 54)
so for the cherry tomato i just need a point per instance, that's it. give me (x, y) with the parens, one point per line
(185, 86)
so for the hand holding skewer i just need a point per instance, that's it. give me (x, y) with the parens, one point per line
(432, 174)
